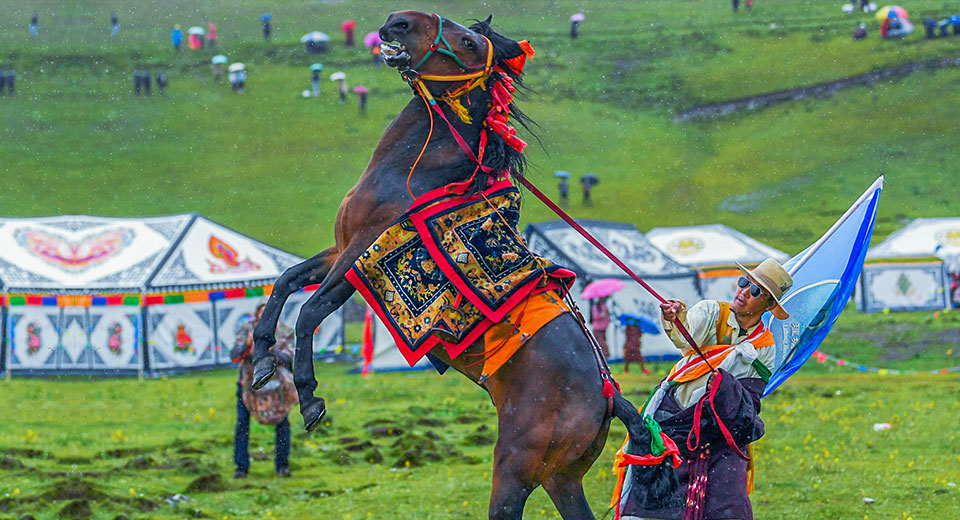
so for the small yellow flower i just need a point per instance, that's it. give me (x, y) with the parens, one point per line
(212, 411)
(133, 491)
(197, 417)
(16, 491)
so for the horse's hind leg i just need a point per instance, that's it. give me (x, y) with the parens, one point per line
(330, 297)
(510, 492)
(310, 271)
(566, 491)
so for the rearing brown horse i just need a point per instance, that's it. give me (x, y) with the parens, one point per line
(553, 418)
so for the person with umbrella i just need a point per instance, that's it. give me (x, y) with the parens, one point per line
(114, 25)
(575, 20)
(361, 91)
(588, 181)
(218, 62)
(634, 327)
(372, 40)
(347, 28)
(34, 22)
(599, 292)
(341, 79)
(162, 82)
(315, 70)
(237, 75)
(265, 21)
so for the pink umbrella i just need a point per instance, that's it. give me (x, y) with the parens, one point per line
(578, 17)
(602, 288)
(348, 25)
(360, 89)
(372, 39)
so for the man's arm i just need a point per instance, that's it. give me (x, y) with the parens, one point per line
(700, 321)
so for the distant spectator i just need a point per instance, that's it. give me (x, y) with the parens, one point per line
(599, 321)
(3, 80)
(632, 348)
(377, 58)
(162, 82)
(575, 20)
(114, 25)
(265, 19)
(176, 37)
(146, 82)
(363, 102)
(564, 192)
(587, 182)
(347, 27)
(11, 81)
(217, 72)
(315, 80)
(860, 32)
(34, 21)
(930, 26)
(137, 81)
(736, 5)
(211, 35)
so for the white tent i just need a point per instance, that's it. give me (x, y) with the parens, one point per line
(86, 294)
(713, 252)
(908, 270)
(560, 243)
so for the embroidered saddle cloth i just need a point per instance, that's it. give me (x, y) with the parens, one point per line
(450, 268)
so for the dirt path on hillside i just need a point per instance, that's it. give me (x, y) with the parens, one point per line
(818, 90)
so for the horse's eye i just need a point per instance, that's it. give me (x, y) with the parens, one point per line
(468, 44)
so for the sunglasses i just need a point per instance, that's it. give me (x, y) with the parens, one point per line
(755, 290)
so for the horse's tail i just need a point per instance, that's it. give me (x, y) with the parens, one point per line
(629, 415)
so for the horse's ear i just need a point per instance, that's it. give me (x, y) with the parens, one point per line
(488, 20)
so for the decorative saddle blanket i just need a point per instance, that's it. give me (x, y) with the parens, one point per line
(452, 267)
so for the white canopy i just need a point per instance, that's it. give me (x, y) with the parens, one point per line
(82, 253)
(711, 246)
(562, 244)
(922, 237)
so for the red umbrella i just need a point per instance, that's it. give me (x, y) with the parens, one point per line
(360, 89)
(602, 288)
(348, 25)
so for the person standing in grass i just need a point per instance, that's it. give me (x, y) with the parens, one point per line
(162, 82)
(34, 21)
(269, 405)
(599, 321)
(11, 81)
(715, 475)
(176, 37)
(631, 348)
(211, 35)
(114, 25)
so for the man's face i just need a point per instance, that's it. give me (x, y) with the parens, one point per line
(746, 303)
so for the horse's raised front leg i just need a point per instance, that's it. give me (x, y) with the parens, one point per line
(331, 296)
(310, 271)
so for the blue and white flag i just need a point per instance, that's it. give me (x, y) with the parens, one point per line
(824, 276)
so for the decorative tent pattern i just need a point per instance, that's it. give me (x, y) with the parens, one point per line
(713, 252)
(908, 270)
(87, 294)
(558, 242)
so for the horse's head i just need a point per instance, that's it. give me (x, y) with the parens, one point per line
(431, 45)
(448, 61)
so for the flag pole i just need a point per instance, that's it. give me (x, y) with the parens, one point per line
(877, 184)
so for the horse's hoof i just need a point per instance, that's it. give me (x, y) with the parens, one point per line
(313, 413)
(263, 370)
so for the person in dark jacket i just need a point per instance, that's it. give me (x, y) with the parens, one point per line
(162, 82)
(241, 353)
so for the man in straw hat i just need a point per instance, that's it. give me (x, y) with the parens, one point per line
(708, 406)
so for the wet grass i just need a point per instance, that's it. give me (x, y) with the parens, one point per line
(418, 445)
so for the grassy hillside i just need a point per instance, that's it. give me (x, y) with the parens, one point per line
(274, 165)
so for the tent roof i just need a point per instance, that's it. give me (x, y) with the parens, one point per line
(90, 253)
(711, 245)
(561, 243)
(922, 237)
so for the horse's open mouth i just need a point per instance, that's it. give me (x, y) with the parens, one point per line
(395, 54)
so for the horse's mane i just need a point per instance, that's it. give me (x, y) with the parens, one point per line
(498, 155)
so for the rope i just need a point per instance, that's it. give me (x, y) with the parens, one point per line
(429, 135)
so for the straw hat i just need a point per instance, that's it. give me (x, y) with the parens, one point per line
(774, 279)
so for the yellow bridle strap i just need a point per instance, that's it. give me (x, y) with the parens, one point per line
(468, 76)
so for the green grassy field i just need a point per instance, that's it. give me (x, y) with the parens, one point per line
(275, 166)
(122, 446)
